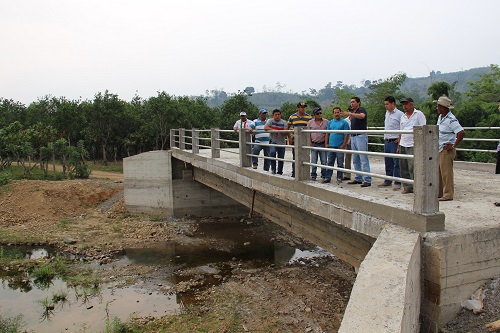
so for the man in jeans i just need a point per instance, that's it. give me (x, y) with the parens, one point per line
(298, 119)
(277, 124)
(317, 140)
(392, 123)
(337, 141)
(261, 136)
(359, 142)
(412, 117)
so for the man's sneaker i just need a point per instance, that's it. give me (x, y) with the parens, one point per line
(254, 166)
(384, 184)
(313, 178)
(365, 184)
(353, 182)
(326, 180)
(273, 172)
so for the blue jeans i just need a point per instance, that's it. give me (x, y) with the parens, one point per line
(391, 164)
(332, 156)
(256, 151)
(361, 162)
(280, 151)
(314, 160)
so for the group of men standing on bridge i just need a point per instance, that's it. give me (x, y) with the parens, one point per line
(356, 119)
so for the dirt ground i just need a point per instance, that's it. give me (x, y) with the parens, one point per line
(87, 218)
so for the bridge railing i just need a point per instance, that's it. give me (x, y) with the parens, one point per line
(425, 156)
(493, 142)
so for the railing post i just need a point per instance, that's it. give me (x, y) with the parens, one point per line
(182, 137)
(172, 138)
(426, 169)
(195, 141)
(245, 149)
(302, 172)
(215, 143)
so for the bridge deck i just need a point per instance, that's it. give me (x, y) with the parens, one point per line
(472, 209)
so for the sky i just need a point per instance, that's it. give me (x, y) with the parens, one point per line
(77, 48)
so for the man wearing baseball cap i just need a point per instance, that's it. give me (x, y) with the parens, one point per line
(261, 136)
(411, 117)
(298, 119)
(242, 123)
(450, 136)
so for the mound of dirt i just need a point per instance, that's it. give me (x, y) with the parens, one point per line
(36, 203)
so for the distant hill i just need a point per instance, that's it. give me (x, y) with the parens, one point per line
(420, 85)
(415, 87)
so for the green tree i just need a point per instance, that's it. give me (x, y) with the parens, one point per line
(374, 100)
(104, 119)
(487, 88)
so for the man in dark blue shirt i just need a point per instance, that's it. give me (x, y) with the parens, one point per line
(359, 142)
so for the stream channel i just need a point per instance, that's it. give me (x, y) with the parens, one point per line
(89, 309)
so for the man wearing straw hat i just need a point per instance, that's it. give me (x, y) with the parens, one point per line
(450, 136)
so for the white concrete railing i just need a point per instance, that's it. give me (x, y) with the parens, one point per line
(425, 157)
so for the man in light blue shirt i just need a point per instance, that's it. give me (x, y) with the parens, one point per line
(337, 141)
(392, 123)
(450, 136)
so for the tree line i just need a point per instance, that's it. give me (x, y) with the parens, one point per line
(108, 128)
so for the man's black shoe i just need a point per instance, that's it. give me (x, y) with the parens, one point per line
(365, 184)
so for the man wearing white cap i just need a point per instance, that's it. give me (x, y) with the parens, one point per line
(243, 122)
(450, 136)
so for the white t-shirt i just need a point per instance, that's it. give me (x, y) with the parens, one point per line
(417, 118)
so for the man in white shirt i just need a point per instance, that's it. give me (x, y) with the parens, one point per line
(243, 122)
(411, 117)
(392, 123)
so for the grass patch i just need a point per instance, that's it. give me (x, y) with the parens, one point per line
(65, 223)
(12, 324)
(116, 167)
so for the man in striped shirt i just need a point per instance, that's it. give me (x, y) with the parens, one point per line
(261, 136)
(298, 119)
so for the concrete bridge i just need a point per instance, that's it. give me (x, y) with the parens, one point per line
(416, 260)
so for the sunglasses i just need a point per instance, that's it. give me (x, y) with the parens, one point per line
(319, 113)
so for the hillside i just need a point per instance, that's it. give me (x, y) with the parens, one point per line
(416, 87)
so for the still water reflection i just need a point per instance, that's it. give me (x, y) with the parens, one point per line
(225, 242)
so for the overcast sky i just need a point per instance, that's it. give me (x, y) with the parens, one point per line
(76, 48)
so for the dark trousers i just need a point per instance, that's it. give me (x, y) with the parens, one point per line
(498, 163)
(256, 151)
(391, 164)
(280, 152)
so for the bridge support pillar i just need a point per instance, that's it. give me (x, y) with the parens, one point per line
(158, 184)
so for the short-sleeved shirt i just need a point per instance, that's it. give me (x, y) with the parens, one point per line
(448, 129)
(337, 139)
(242, 124)
(417, 118)
(298, 121)
(260, 134)
(359, 124)
(313, 125)
(281, 125)
(392, 123)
